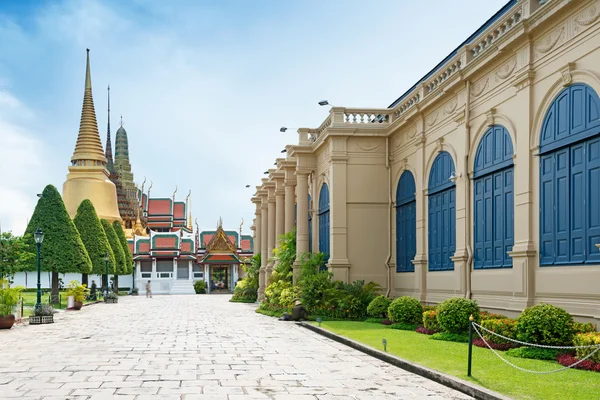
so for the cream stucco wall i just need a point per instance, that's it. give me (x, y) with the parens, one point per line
(507, 79)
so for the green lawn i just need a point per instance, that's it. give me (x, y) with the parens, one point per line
(488, 370)
(30, 298)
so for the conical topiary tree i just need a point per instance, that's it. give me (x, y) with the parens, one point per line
(62, 250)
(113, 240)
(125, 246)
(93, 237)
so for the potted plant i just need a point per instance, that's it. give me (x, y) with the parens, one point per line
(134, 291)
(42, 315)
(112, 297)
(79, 293)
(9, 298)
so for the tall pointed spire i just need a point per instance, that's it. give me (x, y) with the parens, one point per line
(109, 156)
(89, 146)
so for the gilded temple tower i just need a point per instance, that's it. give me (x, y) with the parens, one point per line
(88, 177)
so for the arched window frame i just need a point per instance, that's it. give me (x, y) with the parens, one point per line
(441, 214)
(406, 225)
(310, 233)
(493, 205)
(570, 179)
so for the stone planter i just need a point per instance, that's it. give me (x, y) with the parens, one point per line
(111, 300)
(7, 321)
(40, 320)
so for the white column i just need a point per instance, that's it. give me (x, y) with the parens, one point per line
(154, 268)
(174, 269)
(191, 271)
(301, 218)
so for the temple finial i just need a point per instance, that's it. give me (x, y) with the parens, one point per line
(108, 154)
(88, 147)
(121, 119)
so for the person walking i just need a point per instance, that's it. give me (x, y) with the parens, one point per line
(148, 290)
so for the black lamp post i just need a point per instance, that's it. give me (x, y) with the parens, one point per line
(106, 260)
(39, 238)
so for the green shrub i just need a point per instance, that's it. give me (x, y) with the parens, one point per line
(375, 320)
(404, 327)
(453, 314)
(378, 307)
(430, 320)
(199, 287)
(588, 339)
(545, 324)
(9, 297)
(451, 337)
(406, 310)
(122, 293)
(505, 327)
(273, 291)
(77, 290)
(579, 327)
(429, 308)
(535, 353)
(289, 295)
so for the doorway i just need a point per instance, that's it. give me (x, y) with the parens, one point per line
(219, 278)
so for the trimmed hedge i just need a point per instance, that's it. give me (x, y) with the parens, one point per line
(545, 324)
(505, 327)
(406, 310)
(453, 314)
(430, 321)
(378, 307)
(588, 339)
(93, 236)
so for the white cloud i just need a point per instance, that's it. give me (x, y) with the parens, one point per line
(22, 165)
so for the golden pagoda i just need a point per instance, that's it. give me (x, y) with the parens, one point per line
(88, 177)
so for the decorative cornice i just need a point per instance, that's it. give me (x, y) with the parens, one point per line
(490, 116)
(565, 73)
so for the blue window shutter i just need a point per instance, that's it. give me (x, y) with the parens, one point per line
(577, 206)
(592, 205)
(324, 232)
(405, 223)
(442, 214)
(493, 200)
(547, 210)
(561, 245)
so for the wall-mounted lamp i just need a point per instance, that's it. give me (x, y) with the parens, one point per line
(284, 151)
(283, 129)
(247, 186)
(324, 103)
(454, 177)
(266, 172)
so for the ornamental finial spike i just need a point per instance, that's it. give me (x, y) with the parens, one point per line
(471, 318)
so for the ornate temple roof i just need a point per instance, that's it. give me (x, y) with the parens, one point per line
(88, 146)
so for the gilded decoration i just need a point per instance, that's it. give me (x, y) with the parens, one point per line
(368, 144)
(220, 243)
(548, 43)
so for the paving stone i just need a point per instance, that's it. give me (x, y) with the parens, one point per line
(192, 348)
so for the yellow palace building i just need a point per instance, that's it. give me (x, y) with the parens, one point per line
(480, 181)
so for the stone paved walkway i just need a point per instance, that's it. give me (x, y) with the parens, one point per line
(192, 347)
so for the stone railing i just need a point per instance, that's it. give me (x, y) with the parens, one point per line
(314, 134)
(367, 116)
(496, 31)
(451, 67)
(408, 104)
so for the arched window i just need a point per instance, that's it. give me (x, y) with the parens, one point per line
(494, 200)
(570, 178)
(324, 221)
(310, 234)
(441, 214)
(406, 223)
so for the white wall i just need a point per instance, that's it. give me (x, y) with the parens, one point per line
(29, 279)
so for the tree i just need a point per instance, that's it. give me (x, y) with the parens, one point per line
(14, 255)
(113, 240)
(62, 250)
(93, 237)
(125, 246)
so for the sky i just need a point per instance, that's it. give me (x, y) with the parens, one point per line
(203, 86)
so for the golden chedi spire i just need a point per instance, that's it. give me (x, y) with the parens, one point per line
(88, 177)
(89, 146)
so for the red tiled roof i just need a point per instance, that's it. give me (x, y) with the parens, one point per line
(179, 210)
(159, 207)
(232, 239)
(165, 243)
(144, 247)
(130, 244)
(207, 239)
(186, 246)
(246, 244)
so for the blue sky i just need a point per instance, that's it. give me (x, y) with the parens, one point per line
(203, 86)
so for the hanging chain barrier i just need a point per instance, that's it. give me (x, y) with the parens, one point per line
(475, 326)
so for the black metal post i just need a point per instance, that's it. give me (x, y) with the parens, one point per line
(470, 345)
(106, 278)
(38, 303)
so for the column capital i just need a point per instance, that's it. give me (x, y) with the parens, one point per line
(290, 183)
(279, 192)
(303, 171)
